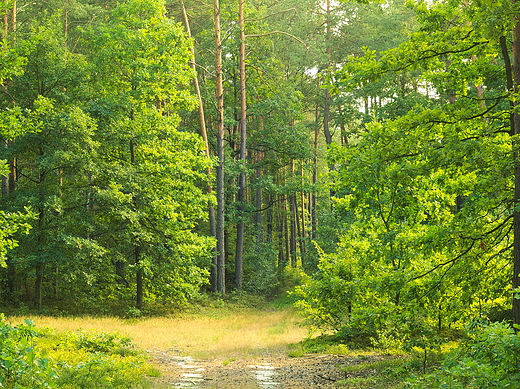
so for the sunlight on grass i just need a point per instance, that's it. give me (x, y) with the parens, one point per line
(240, 333)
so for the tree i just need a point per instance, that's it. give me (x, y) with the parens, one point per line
(148, 186)
(425, 193)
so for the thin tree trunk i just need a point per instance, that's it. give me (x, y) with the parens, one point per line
(299, 235)
(286, 234)
(293, 217)
(14, 16)
(5, 21)
(139, 278)
(13, 175)
(38, 286)
(219, 94)
(204, 134)
(137, 246)
(269, 222)
(327, 99)
(66, 21)
(242, 152)
(258, 200)
(315, 176)
(5, 179)
(302, 232)
(516, 198)
(38, 283)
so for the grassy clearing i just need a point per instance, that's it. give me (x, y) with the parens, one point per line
(208, 333)
(229, 333)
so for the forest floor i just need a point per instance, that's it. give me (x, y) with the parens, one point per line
(235, 347)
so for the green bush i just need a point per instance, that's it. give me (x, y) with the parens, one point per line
(37, 359)
(21, 364)
(487, 359)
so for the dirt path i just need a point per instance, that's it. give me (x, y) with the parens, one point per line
(272, 371)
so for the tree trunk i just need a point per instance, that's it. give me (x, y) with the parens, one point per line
(138, 278)
(315, 176)
(13, 175)
(283, 254)
(219, 94)
(204, 134)
(38, 286)
(327, 99)
(5, 21)
(5, 179)
(293, 219)
(258, 201)
(516, 198)
(302, 233)
(14, 16)
(137, 247)
(242, 152)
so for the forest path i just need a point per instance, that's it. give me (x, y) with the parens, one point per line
(239, 349)
(268, 371)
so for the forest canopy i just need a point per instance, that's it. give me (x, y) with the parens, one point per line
(364, 152)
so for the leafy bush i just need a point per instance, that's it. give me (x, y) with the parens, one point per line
(37, 359)
(487, 359)
(21, 364)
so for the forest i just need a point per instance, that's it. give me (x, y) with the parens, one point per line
(361, 156)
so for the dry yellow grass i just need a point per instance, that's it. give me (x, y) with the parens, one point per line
(215, 334)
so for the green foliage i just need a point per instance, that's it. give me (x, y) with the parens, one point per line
(22, 365)
(34, 359)
(423, 190)
(487, 358)
(10, 225)
(90, 122)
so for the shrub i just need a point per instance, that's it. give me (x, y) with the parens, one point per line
(37, 359)
(21, 364)
(487, 359)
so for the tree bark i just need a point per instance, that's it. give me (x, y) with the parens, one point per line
(5, 179)
(258, 200)
(315, 176)
(139, 278)
(242, 152)
(327, 99)
(219, 94)
(204, 134)
(516, 198)
(5, 21)
(38, 286)
(137, 247)
(293, 221)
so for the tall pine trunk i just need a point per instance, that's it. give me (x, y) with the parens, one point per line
(204, 134)
(219, 94)
(242, 153)
(516, 150)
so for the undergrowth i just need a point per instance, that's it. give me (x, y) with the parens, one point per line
(34, 358)
(485, 356)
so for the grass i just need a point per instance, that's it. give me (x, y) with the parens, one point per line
(208, 333)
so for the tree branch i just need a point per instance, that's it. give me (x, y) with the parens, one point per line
(444, 263)
(278, 32)
(268, 16)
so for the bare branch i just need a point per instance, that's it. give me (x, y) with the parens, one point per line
(278, 32)
(268, 16)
